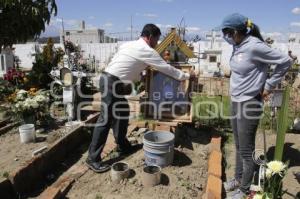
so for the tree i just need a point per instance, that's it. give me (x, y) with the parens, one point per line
(24, 19)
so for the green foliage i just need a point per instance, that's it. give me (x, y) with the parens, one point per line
(24, 19)
(211, 109)
(282, 124)
(98, 197)
(6, 89)
(39, 76)
(5, 174)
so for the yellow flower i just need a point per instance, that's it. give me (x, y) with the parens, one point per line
(276, 166)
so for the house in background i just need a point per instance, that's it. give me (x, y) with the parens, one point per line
(83, 35)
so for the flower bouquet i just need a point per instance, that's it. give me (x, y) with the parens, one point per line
(29, 105)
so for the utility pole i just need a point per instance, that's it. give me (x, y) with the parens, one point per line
(131, 28)
(63, 33)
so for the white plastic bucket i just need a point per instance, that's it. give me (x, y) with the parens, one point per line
(27, 133)
(159, 148)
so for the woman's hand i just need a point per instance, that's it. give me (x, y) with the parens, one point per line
(266, 95)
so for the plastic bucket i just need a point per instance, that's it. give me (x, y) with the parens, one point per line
(27, 133)
(119, 171)
(151, 176)
(158, 148)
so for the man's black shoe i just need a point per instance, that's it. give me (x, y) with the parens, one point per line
(97, 167)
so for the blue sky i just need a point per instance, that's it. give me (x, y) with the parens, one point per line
(274, 17)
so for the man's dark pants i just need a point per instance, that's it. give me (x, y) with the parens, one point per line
(114, 114)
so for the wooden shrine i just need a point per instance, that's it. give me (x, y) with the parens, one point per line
(168, 99)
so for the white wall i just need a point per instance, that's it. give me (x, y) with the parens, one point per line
(26, 52)
(103, 52)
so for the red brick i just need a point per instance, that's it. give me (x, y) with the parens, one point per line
(216, 141)
(51, 193)
(214, 187)
(162, 128)
(215, 163)
(215, 169)
(209, 195)
(139, 124)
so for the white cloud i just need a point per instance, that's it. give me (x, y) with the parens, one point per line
(92, 17)
(296, 11)
(271, 34)
(297, 24)
(163, 26)
(150, 15)
(278, 36)
(108, 25)
(193, 29)
(68, 23)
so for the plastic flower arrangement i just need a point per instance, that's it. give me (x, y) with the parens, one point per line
(28, 104)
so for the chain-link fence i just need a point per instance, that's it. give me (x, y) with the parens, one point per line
(213, 93)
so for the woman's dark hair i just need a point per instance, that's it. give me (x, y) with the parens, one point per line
(254, 31)
(150, 29)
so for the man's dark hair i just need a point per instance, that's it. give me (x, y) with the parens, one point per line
(150, 29)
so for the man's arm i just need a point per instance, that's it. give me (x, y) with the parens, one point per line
(156, 61)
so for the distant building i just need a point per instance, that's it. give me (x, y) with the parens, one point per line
(83, 35)
(294, 38)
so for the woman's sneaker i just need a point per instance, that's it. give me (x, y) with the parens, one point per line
(238, 194)
(231, 185)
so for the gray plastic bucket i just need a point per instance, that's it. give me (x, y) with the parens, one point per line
(158, 148)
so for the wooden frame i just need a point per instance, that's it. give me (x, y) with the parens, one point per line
(179, 102)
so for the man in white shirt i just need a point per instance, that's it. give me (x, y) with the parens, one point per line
(126, 66)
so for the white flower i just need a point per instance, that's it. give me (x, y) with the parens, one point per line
(41, 98)
(21, 92)
(35, 105)
(21, 95)
(269, 173)
(276, 166)
(258, 196)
